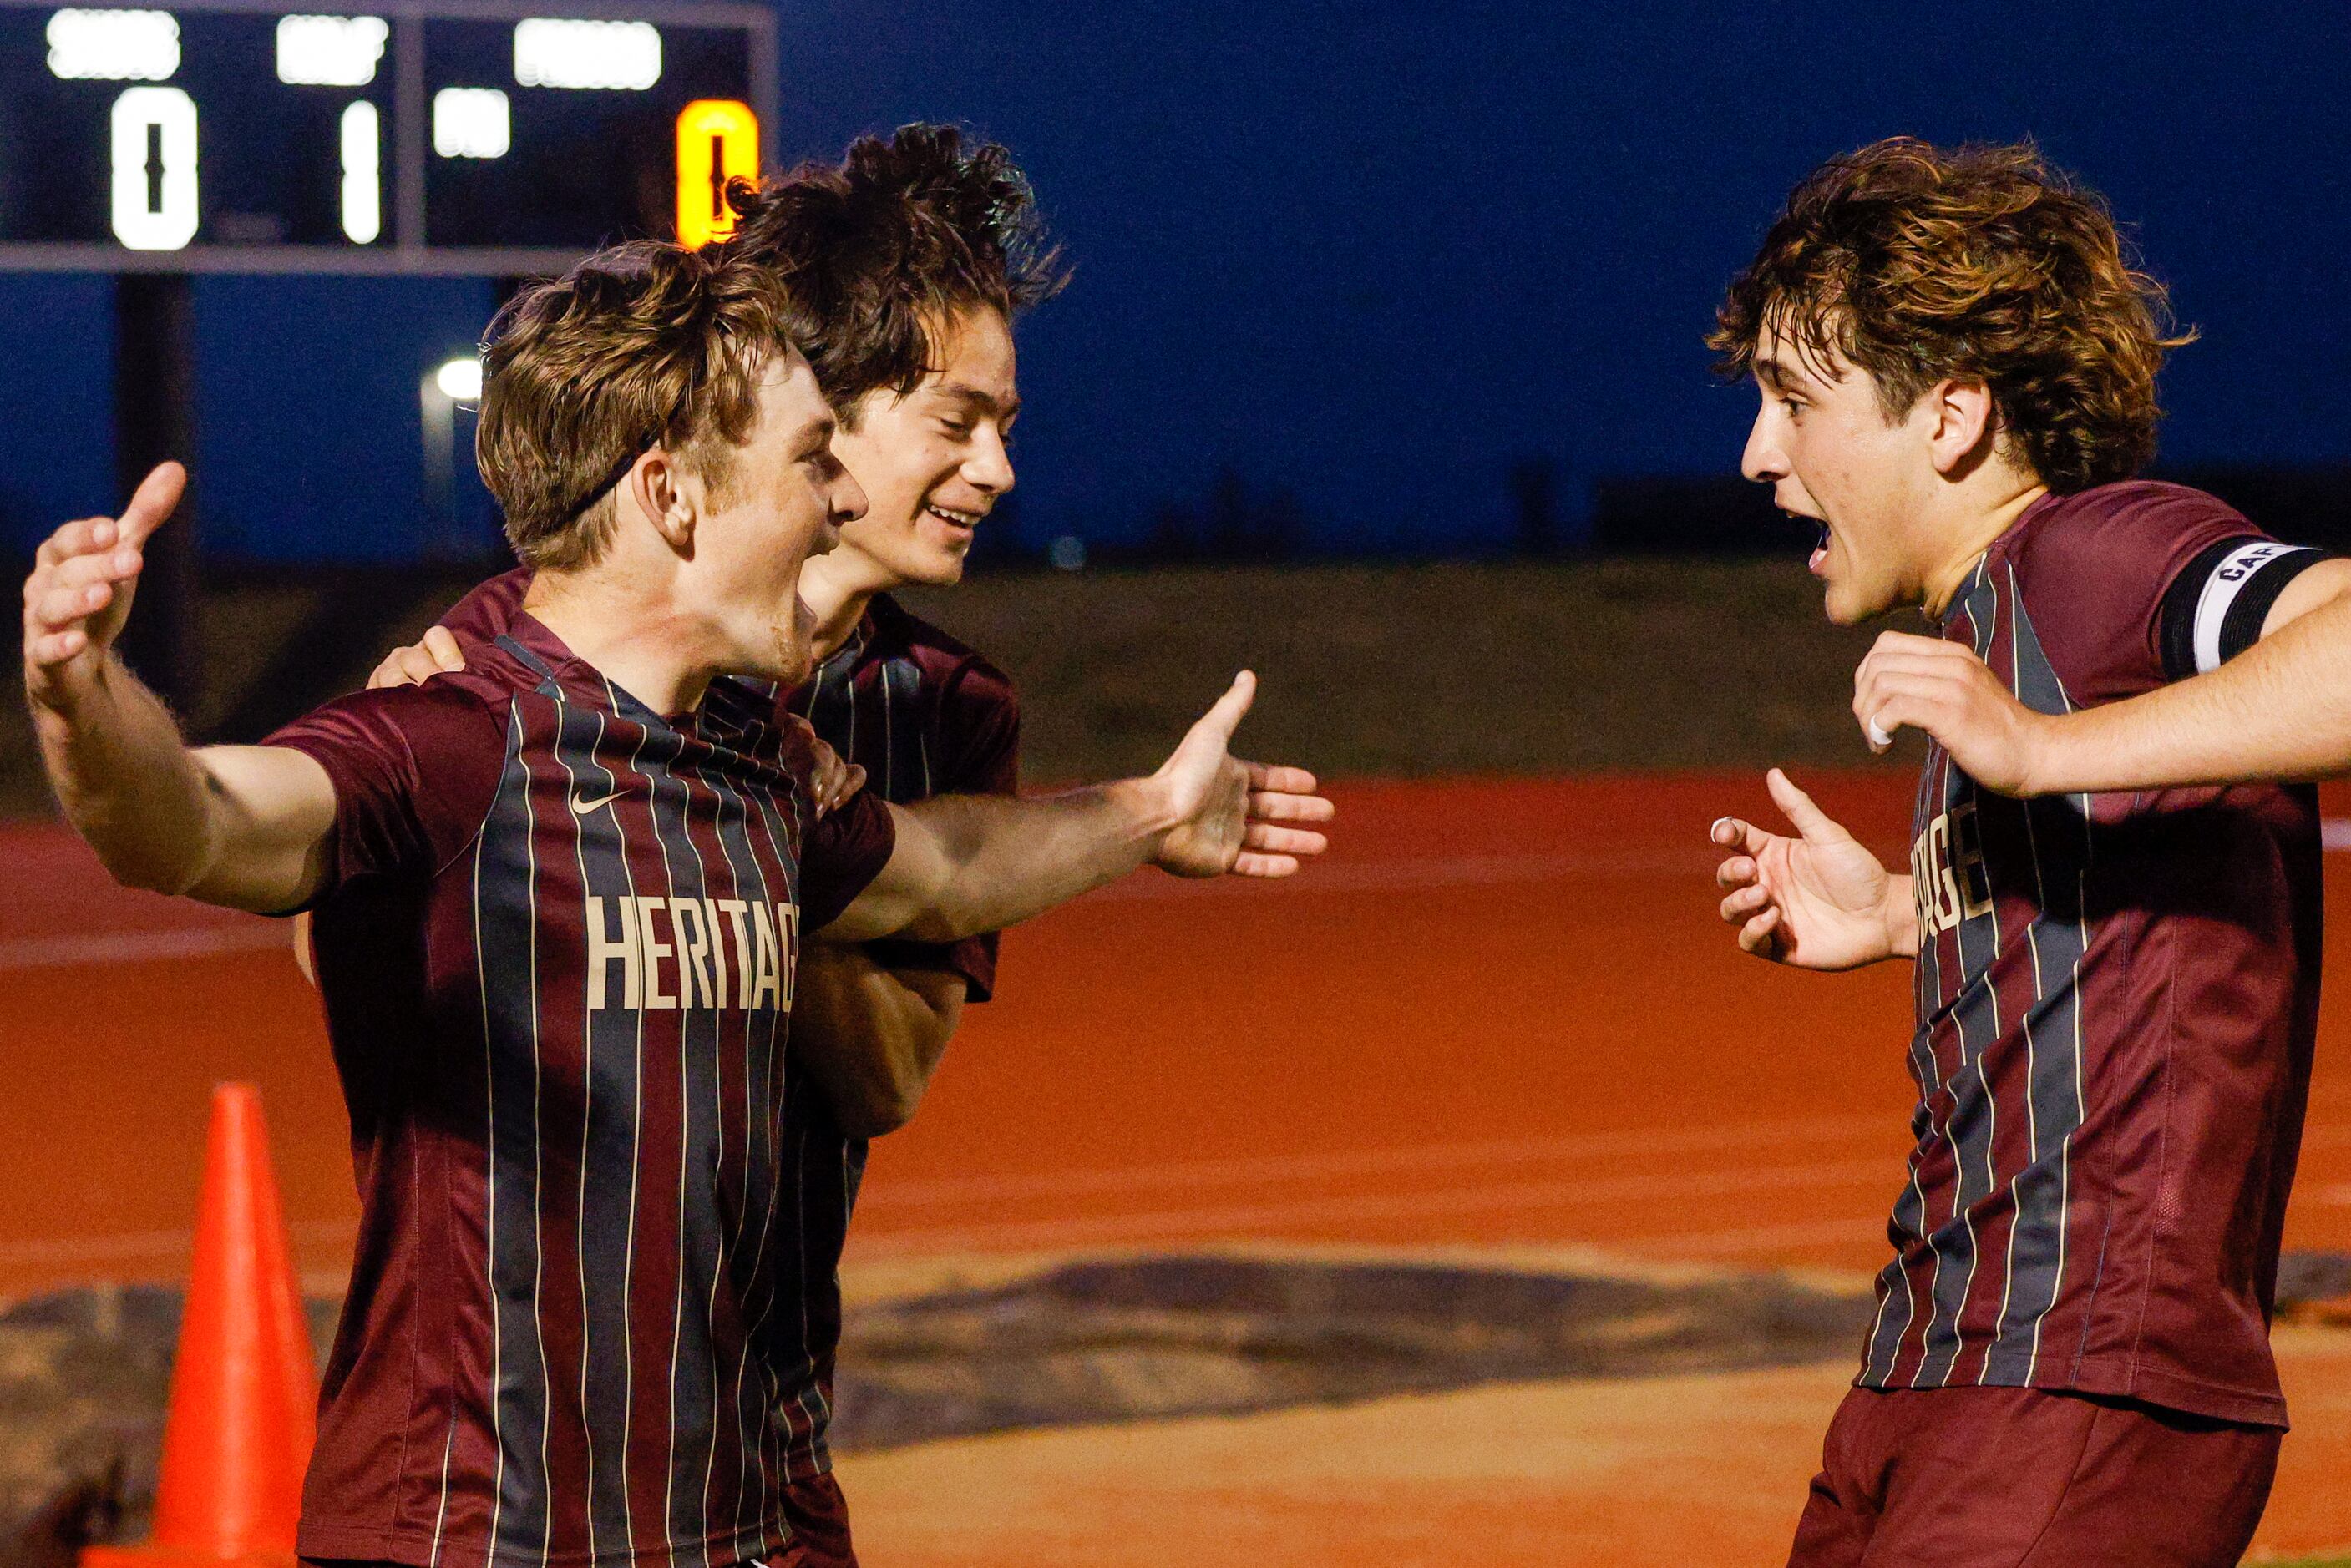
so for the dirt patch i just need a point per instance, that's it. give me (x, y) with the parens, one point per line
(84, 1377)
(1154, 1338)
(2316, 1287)
(84, 1374)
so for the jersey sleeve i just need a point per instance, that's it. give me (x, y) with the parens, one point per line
(484, 613)
(415, 770)
(979, 733)
(842, 851)
(2099, 578)
(980, 721)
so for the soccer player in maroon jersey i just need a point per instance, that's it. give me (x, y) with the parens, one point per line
(921, 250)
(916, 251)
(559, 898)
(2116, 992)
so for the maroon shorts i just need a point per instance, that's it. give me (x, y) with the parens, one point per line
(2025, 1478)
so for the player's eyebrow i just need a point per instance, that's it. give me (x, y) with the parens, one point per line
(815, 438)
(1008, 410)
(1777, 375)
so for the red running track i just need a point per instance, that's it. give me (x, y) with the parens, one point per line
(1500, 1014)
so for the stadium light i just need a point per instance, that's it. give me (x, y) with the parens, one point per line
(362, 173)
(460, 379)
(113, 45)
(329, 51)
(455, 382)
(471, 122)
(607, 55)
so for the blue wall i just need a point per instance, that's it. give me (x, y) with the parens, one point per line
(309, 428)
(56, 437)
(1376, 253)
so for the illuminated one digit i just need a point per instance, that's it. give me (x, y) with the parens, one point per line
(154, 168)
(362, 174)
(717, 140)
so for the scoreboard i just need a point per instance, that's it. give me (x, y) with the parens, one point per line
(487, 136)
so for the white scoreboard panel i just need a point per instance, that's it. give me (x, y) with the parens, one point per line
(422, 136)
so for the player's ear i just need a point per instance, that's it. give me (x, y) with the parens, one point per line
(657, 482)
(1966, 420)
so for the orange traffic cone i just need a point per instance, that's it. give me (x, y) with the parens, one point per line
(244, 1389)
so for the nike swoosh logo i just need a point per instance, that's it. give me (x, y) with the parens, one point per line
(580, 807)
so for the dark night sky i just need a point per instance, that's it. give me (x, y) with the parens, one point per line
(1371, 253)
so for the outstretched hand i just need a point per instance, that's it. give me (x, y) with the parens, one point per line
(1819, 900)
(79, 596)
(1230, 816)
(1944, 690)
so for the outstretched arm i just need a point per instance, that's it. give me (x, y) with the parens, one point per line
(967, 864)
(2280, 710)
(871, 1035)
(245, 826)
(1819, 900)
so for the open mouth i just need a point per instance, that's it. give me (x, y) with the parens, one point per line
(1820, 550)
(965, 521)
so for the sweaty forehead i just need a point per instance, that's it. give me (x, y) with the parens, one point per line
(974, 353)
(790, 401)
(1787, 355)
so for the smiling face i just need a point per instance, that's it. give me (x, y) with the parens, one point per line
(1823, 443)
(934, 462)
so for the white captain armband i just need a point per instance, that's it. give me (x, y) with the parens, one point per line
(2214, 609)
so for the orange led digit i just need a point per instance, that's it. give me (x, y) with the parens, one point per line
(717, 140)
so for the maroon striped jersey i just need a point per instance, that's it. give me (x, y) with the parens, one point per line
(919, 711)
(2117, 997)
(557, 949)
(923, 715)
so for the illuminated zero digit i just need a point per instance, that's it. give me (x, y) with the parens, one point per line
(717, 140)
(154, 165)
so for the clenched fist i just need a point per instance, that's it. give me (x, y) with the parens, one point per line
(1943, 689)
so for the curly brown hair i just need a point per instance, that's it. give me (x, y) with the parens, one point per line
(1920, 263)
(640, 346)
(888, 245)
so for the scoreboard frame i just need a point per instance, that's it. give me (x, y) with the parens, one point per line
(408, 255)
